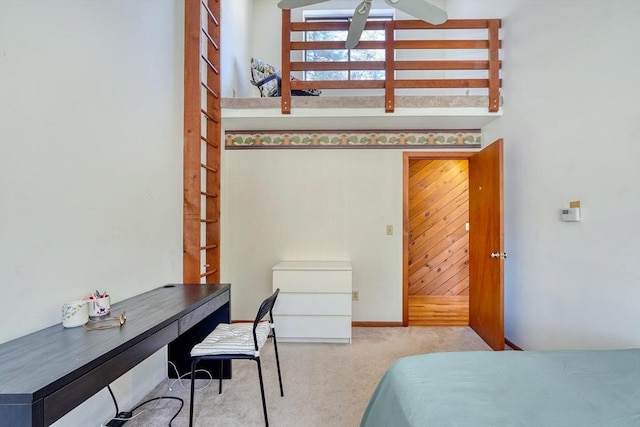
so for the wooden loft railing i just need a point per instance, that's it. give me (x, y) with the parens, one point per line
(396, 38)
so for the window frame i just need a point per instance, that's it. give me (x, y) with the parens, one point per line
(345, 16)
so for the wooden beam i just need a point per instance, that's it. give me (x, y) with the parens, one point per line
(451, 24)
(339, 45)
(285, 88)
(338, 66)
(442, 83)
(442, 65)
(442, 44)
(494, 65)
(191, 198)
(389, 71)
(336, 84)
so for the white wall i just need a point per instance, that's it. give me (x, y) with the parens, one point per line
(236, 36)
(571, 128)
(307, 205)
(571, 132)
(90, 164)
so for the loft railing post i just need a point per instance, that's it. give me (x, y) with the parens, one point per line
(285, 88)
(389, 69)
(494, 65)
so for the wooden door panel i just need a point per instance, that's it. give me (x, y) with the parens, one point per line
(486, 304)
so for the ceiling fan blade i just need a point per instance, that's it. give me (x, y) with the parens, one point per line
(420, 9)
(292, 4)
(358, 22)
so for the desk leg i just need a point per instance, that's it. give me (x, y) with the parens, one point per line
(180, 348)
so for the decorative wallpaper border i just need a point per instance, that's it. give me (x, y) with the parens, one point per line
(352, 139)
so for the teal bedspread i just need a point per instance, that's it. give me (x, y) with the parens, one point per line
(510, 388)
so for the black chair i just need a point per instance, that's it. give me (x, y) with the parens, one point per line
(239, 341)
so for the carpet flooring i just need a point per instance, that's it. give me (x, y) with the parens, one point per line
(324, 384)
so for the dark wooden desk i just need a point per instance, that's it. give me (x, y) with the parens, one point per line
(46, 374)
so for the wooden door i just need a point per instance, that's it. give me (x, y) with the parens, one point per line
(486, 245)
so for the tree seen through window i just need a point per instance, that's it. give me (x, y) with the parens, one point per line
(344, 55)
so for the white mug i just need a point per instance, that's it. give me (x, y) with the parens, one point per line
(75, 313)
(100, 306)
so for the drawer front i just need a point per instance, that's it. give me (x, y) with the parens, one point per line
(192, 318)
(73, 394)
(313, 304)
(312, 281)
(313, 326)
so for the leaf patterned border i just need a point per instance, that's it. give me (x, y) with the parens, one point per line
(353, 139)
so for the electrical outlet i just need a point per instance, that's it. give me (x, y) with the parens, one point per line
(355, 295)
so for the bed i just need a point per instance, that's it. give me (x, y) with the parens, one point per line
(510, 388)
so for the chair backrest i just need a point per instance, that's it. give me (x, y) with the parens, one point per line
(265, 308)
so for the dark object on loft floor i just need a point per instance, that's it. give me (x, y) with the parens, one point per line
(268, 80)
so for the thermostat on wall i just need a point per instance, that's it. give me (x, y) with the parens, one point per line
(570, 214)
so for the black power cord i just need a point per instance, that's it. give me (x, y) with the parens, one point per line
(119, 418)
(164, 397)
(115, 402)
(122, 417)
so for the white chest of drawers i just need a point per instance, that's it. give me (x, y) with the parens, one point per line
(314, 304)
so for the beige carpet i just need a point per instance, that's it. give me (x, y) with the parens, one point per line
(324, 384)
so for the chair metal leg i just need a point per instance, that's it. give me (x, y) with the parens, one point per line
(221, 375)
(264, 402)
(193, 382)
(275, 346)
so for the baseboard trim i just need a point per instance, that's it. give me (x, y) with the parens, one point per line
(377, 324)
(353, 324)
(512, 345)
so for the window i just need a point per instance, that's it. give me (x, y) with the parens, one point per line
(345, 55)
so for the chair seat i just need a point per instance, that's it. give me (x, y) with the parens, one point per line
(235, 338)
